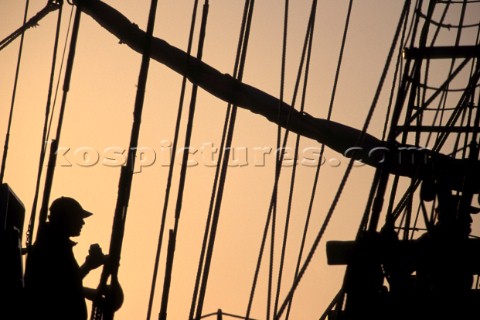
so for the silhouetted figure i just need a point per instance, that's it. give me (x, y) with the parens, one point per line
(364, 280)
(53, 278)
(446, 263)
(428, 278)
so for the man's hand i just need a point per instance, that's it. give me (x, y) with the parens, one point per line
(94, 259)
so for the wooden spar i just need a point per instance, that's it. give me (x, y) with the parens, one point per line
(411, 161)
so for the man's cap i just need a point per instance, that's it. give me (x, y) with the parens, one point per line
(68, 207)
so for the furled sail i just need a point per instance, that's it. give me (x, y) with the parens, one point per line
(407, 161)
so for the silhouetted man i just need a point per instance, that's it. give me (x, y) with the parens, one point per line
(448, 259)
(53, 278)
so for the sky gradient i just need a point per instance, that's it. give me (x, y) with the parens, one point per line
(98, 119)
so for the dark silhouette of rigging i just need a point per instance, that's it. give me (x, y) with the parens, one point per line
(411, 161)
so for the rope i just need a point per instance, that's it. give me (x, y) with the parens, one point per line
(442, 18)
(272, 199)
(468, 91)
(452, 63)
(170, 169)
(398, 69)
(413, 25)
(188, 134)
(248, 7)
(395, 76)
(425, 86)
(444, 89)
(465, 121)
(14, 94)
(31, 225)
(297, 147)
(225, 151)
(277, 173)
(402, 203)
(331, 305)
(347, 22)
(60, 72)
(209, 215)
(348, 170)
(447, 25)
(125, 181)
(217, 169)
(317, 173)
(53, 148)
(401, 98)
(52, 5)
(434, 39)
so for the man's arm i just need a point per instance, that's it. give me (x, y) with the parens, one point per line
(95, 259)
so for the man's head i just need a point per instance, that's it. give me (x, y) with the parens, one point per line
(453, 211)
(67, 215)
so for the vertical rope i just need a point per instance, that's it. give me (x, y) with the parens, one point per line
(282, 153)
(14, 94)
(278, 164)
(225, 151)
(348, 170)
(188, 134)
(105, 310)
(171, 167)
(245, 27)
(43, 148)
(308, 44)
(53, 148)
(317, 172)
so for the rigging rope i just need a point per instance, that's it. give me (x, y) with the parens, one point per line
(171, 167)
(276, 179)
(398, 68)
(463, 101)
(183, 170)
(14, 94)
(447, 25)
(246, 19)
(448, 89)
(444, 89)
(225, 150)
(52, 5)
(442, 19)
(293, 175)
(402, 203)
(317, 172)
(349, 167)
(278, 165)
(60, 72)
(452, 64)
(43, 143)
(103, 307)
(54, 145)
(466, 111)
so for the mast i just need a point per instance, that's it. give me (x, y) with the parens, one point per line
(411, 265)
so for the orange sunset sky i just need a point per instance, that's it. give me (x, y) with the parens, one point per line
(98, 119)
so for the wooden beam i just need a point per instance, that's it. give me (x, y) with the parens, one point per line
(344, 139)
